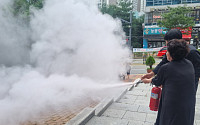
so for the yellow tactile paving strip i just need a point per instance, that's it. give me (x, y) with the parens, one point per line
(63, 115)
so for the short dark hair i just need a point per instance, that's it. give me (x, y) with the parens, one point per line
(177, 48)
(173, 34)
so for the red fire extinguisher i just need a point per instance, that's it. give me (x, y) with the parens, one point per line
(155, 98)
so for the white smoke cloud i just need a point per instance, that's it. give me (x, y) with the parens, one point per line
(14, 45)
(72, 38)
(75, 51)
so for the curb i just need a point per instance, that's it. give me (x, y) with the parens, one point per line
(83, 117)
(102, 106)
(129, 89)
(87, 113)
(118, 97)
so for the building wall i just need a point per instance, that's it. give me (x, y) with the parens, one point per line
(169, 2)
(138, 5)
(112, 2)
(153, 14)
(142, 5)
(107, 2)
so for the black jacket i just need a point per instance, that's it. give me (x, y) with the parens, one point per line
(193, 56)
(177, 106)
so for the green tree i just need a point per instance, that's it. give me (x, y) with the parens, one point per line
(122, 11)
(137, 32)
(22, 7)
(177, 17)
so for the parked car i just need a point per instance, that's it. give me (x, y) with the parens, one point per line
(162, 51)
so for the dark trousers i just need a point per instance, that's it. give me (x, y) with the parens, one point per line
(159, 111)
(160, 105)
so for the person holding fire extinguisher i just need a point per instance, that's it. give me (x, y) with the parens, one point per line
(178, 86)
(193, 56)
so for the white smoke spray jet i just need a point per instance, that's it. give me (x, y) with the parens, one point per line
(75, 51)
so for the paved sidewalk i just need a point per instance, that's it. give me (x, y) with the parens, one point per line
(133, 109)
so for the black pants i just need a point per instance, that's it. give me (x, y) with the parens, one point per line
(160, 105)
(159, 111)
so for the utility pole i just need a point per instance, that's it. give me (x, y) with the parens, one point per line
(130, 29)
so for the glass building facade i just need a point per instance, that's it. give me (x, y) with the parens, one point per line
(169, 2)
(152, 17)
(155, 9)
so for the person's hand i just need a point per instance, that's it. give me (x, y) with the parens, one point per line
(145, 80)
(148, 75)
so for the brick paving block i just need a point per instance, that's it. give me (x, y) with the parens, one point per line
(143, 87)
(197, 115)
(197, 101)
(148, 123)
(148, 94)
(135, 116)
(125, 107)
(107, 121)
(115, 113)
(132, 122)
(145, 109)
(143, 98)
(142, 102)
(126, 101)
(151, 117)
(198, 93)
(137, 93)
(197, 108)
(197, 122)
(131, 97)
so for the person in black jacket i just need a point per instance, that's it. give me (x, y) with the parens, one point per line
(177, 78)
(193, 56)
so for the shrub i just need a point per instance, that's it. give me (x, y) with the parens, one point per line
(150, 61)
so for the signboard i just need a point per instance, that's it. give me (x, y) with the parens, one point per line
(155, 17)
(154, 31)
(196, 32)
(186, 33)
(146, 49)
(195, 29)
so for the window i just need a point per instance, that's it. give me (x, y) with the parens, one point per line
(149, 3)
(159, 44)
(169, 2)
(148, 18)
